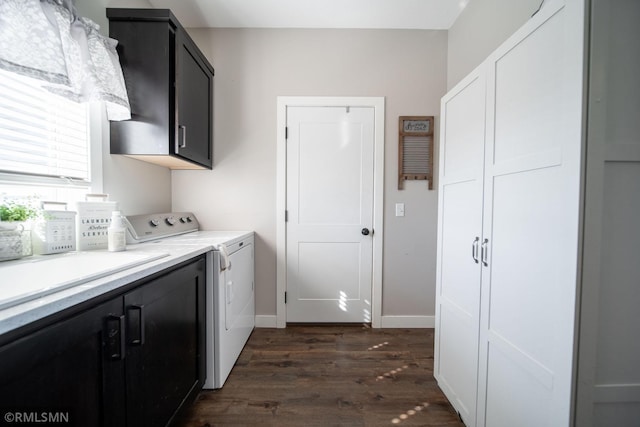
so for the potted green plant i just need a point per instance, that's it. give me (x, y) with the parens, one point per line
(12, 211)
(15, 230)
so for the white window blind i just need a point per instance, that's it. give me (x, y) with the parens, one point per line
(42, 136)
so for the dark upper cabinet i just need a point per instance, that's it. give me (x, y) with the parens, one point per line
(170, 87)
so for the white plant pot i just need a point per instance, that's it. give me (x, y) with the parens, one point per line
(15, 240)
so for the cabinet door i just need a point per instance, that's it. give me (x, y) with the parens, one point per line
(147, 64)
(459, 235)
(194, 92)
(532, 222)
(72, 370)
(165, 344)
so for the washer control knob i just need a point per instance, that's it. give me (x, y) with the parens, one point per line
(170, 220)
(154, 222)
(183, 219)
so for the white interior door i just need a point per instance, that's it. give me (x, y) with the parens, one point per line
(459, 232)
(330, 172)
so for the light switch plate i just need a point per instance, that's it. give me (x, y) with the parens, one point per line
(399, 209)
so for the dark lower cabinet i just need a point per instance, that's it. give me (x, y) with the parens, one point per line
(73, 369)
(134, 360)
(164, 361)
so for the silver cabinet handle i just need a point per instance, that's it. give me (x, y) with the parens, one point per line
(183, 132)
(485, 252)
(474, 249)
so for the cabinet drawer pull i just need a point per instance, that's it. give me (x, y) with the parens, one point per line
(115, 334)
(139, 338)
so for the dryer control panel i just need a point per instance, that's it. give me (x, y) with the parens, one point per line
(144, 228)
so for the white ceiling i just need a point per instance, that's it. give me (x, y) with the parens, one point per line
(386, 14)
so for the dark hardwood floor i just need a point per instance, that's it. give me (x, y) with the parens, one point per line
(329, 376)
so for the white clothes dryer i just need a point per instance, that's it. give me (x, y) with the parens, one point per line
(230, 284)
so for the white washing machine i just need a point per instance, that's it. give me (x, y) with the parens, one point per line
(230, 286)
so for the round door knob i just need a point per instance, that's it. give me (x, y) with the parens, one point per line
(365, 231)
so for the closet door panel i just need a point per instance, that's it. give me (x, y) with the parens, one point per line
(459, 231)
(463, 130)
(506, 382)
(526, 299)
(531, 222)
(460, 277)
(458, 371)
(527, 111)
(458, 295)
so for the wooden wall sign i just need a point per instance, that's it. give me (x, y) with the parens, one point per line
(415, 149)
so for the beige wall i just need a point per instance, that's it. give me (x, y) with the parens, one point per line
(254, 67)
(411, 69)
(481, 27)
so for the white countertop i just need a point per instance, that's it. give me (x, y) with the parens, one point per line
(34, 277)
(137, 262)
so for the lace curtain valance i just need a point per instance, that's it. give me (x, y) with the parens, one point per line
(45, 40)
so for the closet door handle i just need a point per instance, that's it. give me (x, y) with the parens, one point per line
(485, 252)
(139, 339)
(474, 249)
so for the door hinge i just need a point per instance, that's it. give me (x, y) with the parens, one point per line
(285, 297)
(286, 132)
(286, 216)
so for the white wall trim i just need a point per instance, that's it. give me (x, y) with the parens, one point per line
(378, 103)
(266, 321)
(408, 321)
(271, 321)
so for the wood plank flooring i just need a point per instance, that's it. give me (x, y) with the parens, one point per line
(328, 376)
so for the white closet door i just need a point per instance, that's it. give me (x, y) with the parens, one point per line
(531, 220)
(459, 232)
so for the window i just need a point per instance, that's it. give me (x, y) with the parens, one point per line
(44, 143)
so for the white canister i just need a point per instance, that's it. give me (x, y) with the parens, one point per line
(92, 222)
(116, 233)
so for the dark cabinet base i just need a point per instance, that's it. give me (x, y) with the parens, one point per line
(165, 326)
(64, 369)
(133, 360)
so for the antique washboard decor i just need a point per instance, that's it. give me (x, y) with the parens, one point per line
(415, 149)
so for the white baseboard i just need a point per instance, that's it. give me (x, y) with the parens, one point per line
(266, 321)
(270, 321)
(407, 321)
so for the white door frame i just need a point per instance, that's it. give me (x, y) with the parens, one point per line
(281, 194)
